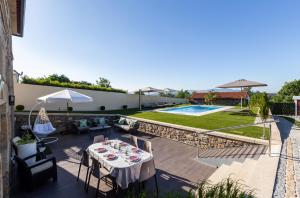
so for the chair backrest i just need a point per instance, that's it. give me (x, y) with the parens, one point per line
(147, 170)
(148, 146)
(85, 160)
(133, 141)
(98, 138)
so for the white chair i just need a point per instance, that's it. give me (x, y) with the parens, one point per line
(98, 138)
(147, 172)
(148, 147)
(133, 141)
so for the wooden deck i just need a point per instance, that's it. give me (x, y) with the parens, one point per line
(177, 169)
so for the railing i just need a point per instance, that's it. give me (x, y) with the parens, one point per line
(244, 126)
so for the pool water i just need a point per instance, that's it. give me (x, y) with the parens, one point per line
(192, 110)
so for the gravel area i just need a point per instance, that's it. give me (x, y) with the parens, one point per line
(287, 182)
(295, 138)
(279, 188)
(280, 182)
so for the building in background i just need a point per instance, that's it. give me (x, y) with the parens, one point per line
(12, 23)
(297, 105)
(221, 97)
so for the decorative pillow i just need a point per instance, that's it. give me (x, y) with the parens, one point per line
(83, 123)
(131, 123)
(102, 121)
(122, 121)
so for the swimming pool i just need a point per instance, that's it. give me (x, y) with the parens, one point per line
(193, 109)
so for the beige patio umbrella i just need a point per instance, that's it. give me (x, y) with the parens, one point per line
(146, 90)
(242, 83)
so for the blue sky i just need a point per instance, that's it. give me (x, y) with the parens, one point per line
(180, 44)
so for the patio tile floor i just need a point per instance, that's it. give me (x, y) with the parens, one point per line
(177, 170)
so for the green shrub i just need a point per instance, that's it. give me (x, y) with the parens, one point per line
(102, 108)
(26, 139)
(72, 84)
(282, 108)
(225, 188)
(20, 107)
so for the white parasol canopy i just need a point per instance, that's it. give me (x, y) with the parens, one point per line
(65, 95)
(150, 89)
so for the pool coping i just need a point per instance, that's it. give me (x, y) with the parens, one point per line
(222, 108)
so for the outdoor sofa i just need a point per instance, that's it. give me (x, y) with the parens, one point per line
(84, 125)
(126, 124)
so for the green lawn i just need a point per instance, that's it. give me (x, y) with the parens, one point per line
(211, 121)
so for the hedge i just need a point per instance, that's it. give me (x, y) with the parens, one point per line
(283, 108)
(47, 82)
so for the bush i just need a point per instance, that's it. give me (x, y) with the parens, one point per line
(20, 107)
(124, 106)
(283, 108)
(69, 109)
(102, 108)
(225, 188)
(71, 84)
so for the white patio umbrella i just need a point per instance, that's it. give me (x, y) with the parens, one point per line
(66, 95)
(242, 83)
(146, 90)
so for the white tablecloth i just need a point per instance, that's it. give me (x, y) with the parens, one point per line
(121, 168)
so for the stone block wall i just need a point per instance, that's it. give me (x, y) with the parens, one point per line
(203, 141)
(59, 121)
(190, 137)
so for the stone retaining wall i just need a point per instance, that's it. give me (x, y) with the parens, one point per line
(190, 137)
(60, 121)
(203, 141)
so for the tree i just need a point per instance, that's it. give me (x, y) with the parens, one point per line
(261, 101)
(60, 78)
(210, 97)
(103, 82)
(183, 94)
(288, 90)
(162, 94)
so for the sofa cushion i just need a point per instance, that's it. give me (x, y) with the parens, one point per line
(83, 123)
(131, 122)
(41, 167)
(99, 121)
(125, 127)
(122, 121)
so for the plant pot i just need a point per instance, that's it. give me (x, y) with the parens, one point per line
(25, 150)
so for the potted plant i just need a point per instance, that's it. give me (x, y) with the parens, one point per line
(26, 146)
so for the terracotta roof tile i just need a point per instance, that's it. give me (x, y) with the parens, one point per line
(222, 95)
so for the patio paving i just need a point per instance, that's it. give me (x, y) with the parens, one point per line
(177, 170)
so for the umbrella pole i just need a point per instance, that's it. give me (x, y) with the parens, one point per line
(241, 99)
(140, 104)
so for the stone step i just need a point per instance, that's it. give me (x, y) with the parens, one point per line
(224, 172)
(252, 173)
(233, 152)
